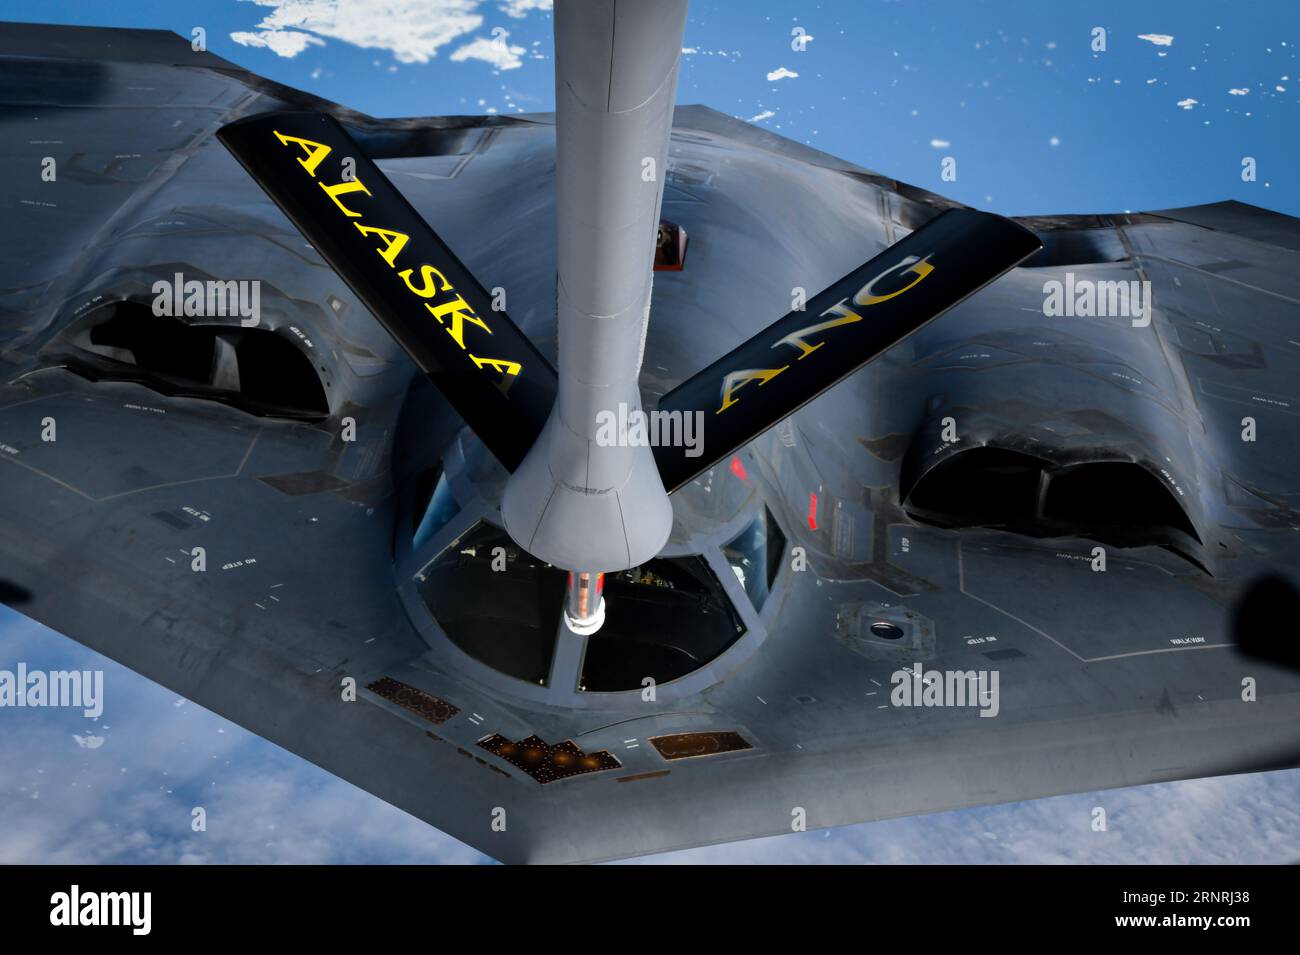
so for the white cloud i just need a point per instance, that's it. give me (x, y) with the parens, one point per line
(411, 30)
(287, 43)
(940, 143)
(495, 52)
(781, 73)
(725, 54)
(1239, 91)
(759, 117)
(519, 8)
(1187, 103)
(1159, 39)
(125, 794)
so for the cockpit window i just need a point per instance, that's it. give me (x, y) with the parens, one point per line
(439, 510)
(499, 604)
(504, 607)
(663, 620)
(755, 556)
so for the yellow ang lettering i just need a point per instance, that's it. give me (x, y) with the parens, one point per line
(843, 315)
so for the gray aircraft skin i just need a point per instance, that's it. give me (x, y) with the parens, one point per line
(862, 535)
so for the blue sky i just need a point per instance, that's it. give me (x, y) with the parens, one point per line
(1038, 122)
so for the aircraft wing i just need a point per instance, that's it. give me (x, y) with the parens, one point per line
(938, 511)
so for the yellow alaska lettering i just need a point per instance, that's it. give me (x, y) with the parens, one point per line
(918, 267)
(452, 315)
(738, 379)
(427, 272)
(460, 313)
(342, 189)
(314, 152)
(509, 371)
(394, 242)
(502, 365)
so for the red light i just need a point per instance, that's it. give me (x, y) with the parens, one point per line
(738, 468)
(812, 512)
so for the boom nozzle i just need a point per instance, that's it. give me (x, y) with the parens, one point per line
(584, 606)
